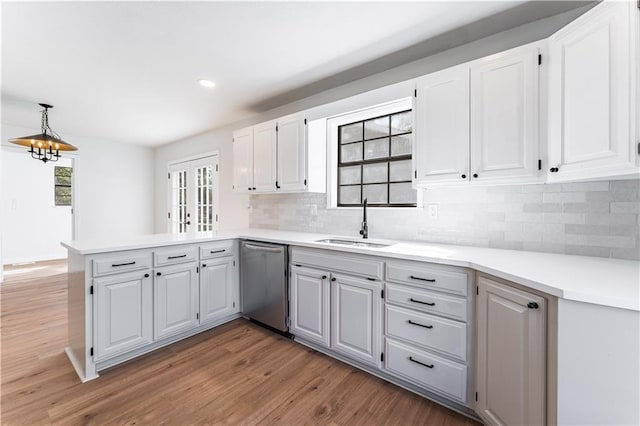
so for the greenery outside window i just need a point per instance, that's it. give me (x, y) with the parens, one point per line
(62, 185)
(374, 161)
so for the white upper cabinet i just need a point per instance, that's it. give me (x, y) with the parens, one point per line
(479, 121)
(279, 151)
(592, 95)
(442, 126)
(292, 156)
(504, 116)
(265, 158)
(243, 160)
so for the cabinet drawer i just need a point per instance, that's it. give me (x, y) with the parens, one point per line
(438, 334)
(121, 262)
(174, 255)
(426, 369)
(366, 266)
(429, 276)
(217, 249)
(427, 301)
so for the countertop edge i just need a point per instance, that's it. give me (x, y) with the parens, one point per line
(479, 266)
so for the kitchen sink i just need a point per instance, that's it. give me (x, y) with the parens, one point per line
(353, 243)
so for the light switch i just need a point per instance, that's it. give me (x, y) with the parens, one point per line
(433, 211)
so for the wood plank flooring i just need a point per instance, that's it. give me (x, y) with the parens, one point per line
(235, 374)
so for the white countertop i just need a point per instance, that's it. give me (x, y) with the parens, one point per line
(609, 282)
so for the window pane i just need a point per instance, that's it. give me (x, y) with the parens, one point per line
(400, 170)
(351, 133)
(376, 149)
(402, 193)
(350, 195)
(401, 145)
(401, 123)
(376, 128)
(351, 152)
(349, 175)
(63, 190)
(375, 194)
(374, 173)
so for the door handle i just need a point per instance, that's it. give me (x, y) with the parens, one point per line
(532, 305)
(421, 363)
(430, 280)
(176, 257)
(419, 325)
(411, 299)
(262, 248)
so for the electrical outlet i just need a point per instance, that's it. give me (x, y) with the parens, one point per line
(433, 211)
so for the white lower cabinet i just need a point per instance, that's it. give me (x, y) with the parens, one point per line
(511, 348)
(427, 370)
(175, 299)
(123, 313)
(218, 289)
(355, 314)
(309, 305)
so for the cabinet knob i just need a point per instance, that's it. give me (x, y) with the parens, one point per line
(248, 189)
(463, 176)
(204, 265)
(158, 273)
(324, 277)
(554, 170)
(475, 175)
(254, 188)
(333, 278)
(532, 305)
(146, 275)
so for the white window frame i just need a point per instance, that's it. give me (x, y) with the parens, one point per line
(332, 147)
(216, 186)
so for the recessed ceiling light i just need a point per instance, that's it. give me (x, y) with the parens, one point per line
(206, 83)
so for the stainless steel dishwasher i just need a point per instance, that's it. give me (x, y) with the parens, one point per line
(264, 283)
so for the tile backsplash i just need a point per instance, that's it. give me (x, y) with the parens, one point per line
(589, 218)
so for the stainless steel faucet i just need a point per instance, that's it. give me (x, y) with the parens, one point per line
(364, 229)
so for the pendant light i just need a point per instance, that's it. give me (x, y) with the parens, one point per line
(47, 145)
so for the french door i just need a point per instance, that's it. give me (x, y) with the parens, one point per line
(193, 195)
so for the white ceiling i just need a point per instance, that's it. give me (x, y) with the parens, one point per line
(127, 71)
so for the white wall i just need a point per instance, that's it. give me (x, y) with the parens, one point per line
(114, 196)
(233, 207)
(32, 225)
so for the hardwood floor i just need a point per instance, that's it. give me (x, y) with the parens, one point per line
(235, 374)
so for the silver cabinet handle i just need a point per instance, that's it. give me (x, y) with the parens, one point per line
(261, 248)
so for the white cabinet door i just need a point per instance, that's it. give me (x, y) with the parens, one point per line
(123, 313)
(218, 289)
(442, 127)
(355, 317)
(292, 153)
(511, 355)
(504, 117)
(309, 305)
(265, 157)
(591, 95)
(243, 160)
(175, 300)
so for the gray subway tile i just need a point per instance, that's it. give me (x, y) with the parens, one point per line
(610, 218)
(586, 229)
(587, 251)
(564, 218)
(551, 187)
(564, 197)
(625, 207)
(585, 186)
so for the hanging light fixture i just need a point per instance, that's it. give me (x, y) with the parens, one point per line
(47, 145)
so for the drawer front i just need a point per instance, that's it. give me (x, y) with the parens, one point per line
(217, 249)
(438, 334)
(428, 276)
(121, 262)
(427, 301)
(174, 255)
(366, 266)
(426, 369)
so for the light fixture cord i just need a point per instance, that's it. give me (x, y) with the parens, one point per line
(45, 124)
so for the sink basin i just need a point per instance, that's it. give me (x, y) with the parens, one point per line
(353, 243)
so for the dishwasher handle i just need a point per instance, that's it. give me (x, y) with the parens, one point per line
(262, 248)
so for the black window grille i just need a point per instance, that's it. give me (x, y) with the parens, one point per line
(374, 162)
